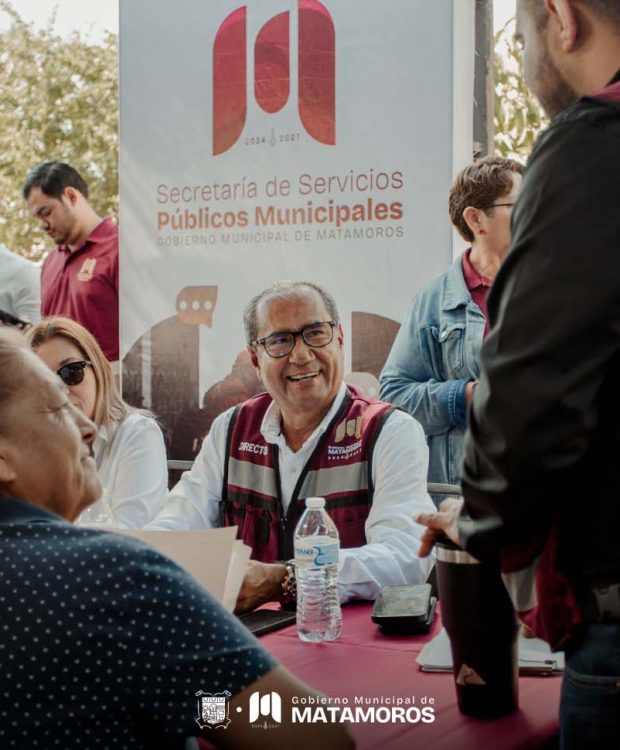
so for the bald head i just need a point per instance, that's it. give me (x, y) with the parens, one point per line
(16, 359)
(45, 456)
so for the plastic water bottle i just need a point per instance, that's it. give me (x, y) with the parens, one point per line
(98, 515)
(317, 544)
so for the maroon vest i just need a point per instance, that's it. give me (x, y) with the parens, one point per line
(339, 469)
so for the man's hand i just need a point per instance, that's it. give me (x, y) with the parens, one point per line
(262, 583)
(445, 520)
(469, 391)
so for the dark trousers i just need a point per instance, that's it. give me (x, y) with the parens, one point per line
(590, 705)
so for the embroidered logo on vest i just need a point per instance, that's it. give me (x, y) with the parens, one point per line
(86, 272)
(348, 428)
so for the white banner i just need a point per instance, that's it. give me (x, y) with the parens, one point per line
(278, 140)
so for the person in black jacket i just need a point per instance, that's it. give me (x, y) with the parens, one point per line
(540, 470)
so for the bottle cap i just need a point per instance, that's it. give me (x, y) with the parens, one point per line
(314, 503)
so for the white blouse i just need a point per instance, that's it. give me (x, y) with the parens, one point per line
(132, 467)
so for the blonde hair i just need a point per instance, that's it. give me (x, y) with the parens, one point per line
(110, 409)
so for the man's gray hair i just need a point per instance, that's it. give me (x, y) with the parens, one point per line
(283, 289)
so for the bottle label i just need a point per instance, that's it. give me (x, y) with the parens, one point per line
(317, 555)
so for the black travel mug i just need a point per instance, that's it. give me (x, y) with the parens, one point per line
(482, 626)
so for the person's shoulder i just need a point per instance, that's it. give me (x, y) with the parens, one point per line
(579, 127)
(252, 409)
(138, 420)
(432, 293)
(107, 227)
(15, 260)
(135, 427)
(391, 414)
(399, 421)
(435, 285)
(97, 544)
(222, 421)
(129, 557)
(399, 416)
(104, 239)
(593, 110)
(52, 258)
(259, 399)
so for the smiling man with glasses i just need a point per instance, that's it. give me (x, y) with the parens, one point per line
(309, 434)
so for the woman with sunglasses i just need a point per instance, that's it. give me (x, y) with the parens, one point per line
(129, 448)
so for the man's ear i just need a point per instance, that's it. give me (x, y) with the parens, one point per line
(7, 470)
(71, 194)
(254, 360)
(472, 219)
(340, 335)
(563, 13)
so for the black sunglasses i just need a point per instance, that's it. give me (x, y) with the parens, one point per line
(73, 372)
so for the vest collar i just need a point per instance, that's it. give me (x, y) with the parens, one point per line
(271, 426)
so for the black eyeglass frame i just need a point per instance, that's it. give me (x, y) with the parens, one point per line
(294, 334)
(497, 205)
(82, 364)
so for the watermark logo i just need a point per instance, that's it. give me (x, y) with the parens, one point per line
(468, 676)
(268, 706)
(316, 56)
(213, 710)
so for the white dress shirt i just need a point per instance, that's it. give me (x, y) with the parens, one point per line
(20, 286)
(133, 470)
(399, 466)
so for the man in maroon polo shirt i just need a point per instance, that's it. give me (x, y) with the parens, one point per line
(80, 278)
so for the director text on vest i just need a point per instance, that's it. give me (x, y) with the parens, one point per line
(252, 448)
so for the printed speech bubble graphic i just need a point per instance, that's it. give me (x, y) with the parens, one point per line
(195, 305)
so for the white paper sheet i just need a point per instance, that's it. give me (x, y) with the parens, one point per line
(214, 557)
(535, 656)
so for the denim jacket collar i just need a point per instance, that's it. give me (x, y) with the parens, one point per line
(456, 294)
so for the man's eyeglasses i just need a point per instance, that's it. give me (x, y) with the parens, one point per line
(314, 335)
(73, 372)
(497, 205)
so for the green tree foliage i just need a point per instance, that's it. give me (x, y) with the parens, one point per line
(58, 101)
(518, 116)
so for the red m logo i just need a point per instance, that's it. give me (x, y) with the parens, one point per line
(316, 72)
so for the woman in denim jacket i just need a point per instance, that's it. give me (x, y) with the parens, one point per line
(432, 369)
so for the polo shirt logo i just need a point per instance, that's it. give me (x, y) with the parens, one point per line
(86, 272)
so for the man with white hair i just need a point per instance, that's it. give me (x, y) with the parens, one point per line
(309, 434)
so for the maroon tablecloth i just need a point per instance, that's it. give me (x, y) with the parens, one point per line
(364, 663)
